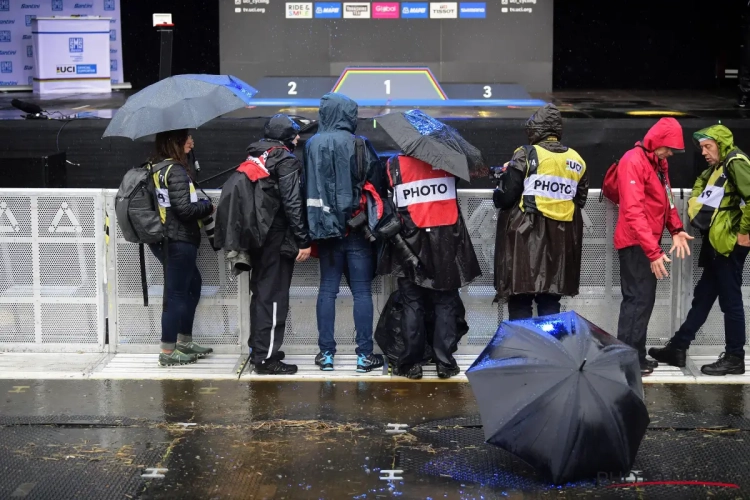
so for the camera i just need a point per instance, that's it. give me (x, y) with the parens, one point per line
(359, 223)
(496, 172)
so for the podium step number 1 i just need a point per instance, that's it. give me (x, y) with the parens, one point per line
(389, 84)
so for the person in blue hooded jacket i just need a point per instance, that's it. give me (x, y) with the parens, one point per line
(339, 167)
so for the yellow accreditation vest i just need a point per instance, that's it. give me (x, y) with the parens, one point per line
(551, 182)
(162, 192)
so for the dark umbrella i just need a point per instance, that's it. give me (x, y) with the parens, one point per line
(179, 102)
(563, 395)
(432, 141)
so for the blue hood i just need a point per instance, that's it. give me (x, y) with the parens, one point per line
(337, 112)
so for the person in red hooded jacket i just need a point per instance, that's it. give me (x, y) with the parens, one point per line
(646, 208)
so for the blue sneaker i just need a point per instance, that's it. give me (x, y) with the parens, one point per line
(368, 363)
(325, 361)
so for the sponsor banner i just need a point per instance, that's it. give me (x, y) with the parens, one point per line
(474, 10)
(444, 10)
(296, 10)
(17, 44)
(356, 11)
(415, 10)
(328, 10)
(385, 10)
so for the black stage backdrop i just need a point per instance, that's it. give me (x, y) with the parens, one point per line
(644, 44)
(221, 144)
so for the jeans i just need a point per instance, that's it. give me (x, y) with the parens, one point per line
(356, 254)
(721, 278)
(521, 306)
(638, 286)
(182, 291)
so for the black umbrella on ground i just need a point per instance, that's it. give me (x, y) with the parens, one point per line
(563, 395)
(427, 139)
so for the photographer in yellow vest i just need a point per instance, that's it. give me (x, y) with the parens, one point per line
(539, 241)
(717, 208)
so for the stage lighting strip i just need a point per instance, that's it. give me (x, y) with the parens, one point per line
(425, 72)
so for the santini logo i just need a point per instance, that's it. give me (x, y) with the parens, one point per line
(30, 6)
(83, 6)
(7, 52)
(7, 21)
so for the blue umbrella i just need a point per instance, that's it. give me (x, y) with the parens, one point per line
(179, 102)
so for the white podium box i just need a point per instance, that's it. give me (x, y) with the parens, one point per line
(71, 55)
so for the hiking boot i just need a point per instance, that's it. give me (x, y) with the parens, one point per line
(669, 354)
(646, 368)
(445, 371)
(414, 372)
(368, 363)
(193, 348)
(176, 358)
(325, 361)
(728, 364)
(275, 367)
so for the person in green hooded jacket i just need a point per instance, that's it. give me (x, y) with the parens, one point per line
(718, 209)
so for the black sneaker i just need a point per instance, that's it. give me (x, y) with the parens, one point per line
(646, 368)
(414, 373)
(275, 367)
(325, 361)
(728, 364)
(369, 363)
(669, 354)
(742, 102)
(444, 371)
(653, 364)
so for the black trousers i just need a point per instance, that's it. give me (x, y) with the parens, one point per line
(722, 279)
(638, 286)
(521, 306)
(269, 283)
(446, 304)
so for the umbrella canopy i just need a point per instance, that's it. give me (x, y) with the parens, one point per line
(179, 102)
(427, 139)
(563, 395)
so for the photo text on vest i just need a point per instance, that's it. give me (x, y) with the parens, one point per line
(425, 191)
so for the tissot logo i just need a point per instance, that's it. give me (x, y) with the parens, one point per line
(356, 11)
(30, 6)
(299, 10)
(83, 6)
(444, 10)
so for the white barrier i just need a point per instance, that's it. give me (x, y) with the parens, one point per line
(59, 279)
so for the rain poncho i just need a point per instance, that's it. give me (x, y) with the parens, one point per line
(333, 184)
(534, 254)
(733, 214)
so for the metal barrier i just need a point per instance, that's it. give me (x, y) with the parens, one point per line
(59, 278)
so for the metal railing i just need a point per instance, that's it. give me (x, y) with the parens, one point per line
(64, 287)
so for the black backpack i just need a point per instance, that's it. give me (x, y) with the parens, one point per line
(137, 212)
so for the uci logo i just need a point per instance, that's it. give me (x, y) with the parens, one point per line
(574, 165)
(66, 69)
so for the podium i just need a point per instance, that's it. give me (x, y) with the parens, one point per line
(71, 55)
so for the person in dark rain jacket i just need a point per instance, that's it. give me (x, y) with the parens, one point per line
(335, 178)
(540, 229)
(181, 213)
(261, 212)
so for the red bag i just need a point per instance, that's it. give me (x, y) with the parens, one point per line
(609, 185)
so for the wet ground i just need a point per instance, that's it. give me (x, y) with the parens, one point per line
(288, 440)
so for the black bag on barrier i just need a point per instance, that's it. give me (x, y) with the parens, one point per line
(388, 332)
